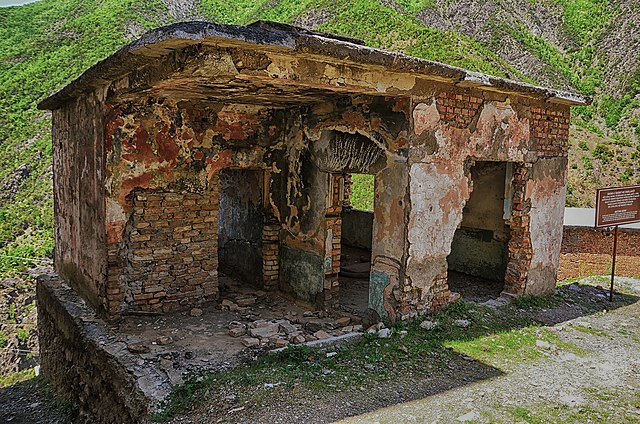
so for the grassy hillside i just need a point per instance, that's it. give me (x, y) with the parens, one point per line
(46, 44)
(584, 45)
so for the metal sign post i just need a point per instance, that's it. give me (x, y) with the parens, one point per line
(613, 263)
(617, 206)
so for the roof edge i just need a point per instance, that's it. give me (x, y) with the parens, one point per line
(286, 36)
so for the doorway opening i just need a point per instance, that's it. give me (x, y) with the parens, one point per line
(356, 242)
(241, 219)
(479, 251)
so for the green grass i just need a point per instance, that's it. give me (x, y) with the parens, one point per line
(506, 347)
(362, 191)
(43, 46)
(590, 330)
(536, 302)
(17, 377)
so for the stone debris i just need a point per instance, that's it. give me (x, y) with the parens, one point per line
(138, 348)
(463, 323)
(497, 303)
(281, 343)
(469, 416)
(259, 323)
(246, 301)
(321, 335)
(314, 325)
(229, 305)
(385, 333)
(236, 324)
(265, 332)
(251, 342)
(287, 328)
(237, 331)
(375, 327)
(343, 321)
(164, 340)
(428, 324)
(255, 330)
(195, 312)
(298, 339)
(453, 296)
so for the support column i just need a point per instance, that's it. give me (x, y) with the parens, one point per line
(333, 234)
(270, 254)
(520, 252)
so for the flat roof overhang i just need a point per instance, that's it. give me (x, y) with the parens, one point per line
(153, 66)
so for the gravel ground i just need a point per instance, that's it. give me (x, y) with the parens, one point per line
(599, 384)
(29, 402)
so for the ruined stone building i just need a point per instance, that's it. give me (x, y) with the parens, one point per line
(205, 149)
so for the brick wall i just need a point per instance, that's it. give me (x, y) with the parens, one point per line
(600, 241)
(169, 259)
(520, 252)
(551, 131)
(456, 109)
(271, 254)
(333, 223)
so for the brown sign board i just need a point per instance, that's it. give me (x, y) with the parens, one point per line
(617, 206)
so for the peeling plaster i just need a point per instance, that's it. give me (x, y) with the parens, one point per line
(547, 191)
(425, 117)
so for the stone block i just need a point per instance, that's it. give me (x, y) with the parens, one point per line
(250, 342)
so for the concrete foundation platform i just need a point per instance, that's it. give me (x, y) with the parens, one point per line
(119, 372)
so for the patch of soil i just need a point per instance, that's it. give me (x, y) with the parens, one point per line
(355, 268)
(474, 289)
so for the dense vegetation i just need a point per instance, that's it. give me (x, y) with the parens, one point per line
(44, 45)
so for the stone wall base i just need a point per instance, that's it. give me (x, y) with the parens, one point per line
(82, 363)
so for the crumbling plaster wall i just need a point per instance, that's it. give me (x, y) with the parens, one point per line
(451, 129)
(79, 173)
(354, 134)
(157, 146)
(547, 191)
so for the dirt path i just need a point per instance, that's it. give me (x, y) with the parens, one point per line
(594, 376)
